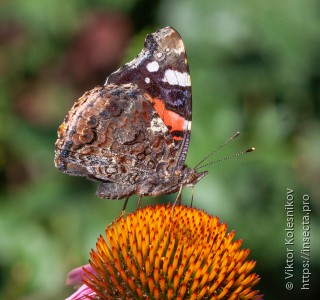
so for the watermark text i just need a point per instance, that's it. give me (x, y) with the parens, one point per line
(293, 202)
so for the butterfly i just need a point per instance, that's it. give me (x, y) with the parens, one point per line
(132, 134)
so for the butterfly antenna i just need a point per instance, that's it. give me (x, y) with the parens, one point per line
(217, 149)
(227, 157)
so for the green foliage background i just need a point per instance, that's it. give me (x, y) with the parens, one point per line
(255, 67)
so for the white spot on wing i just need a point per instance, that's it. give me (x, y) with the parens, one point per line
(157, 125)
(147, 80)
(189, 125)
(153, 66)
(174, 77)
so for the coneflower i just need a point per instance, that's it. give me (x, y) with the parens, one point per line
(166, 252)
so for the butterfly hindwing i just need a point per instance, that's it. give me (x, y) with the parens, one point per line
(113, 134)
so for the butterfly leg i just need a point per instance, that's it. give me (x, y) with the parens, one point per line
(192, 197)
(123, 211)
(139, 202)
(178, 199)
(124, 206)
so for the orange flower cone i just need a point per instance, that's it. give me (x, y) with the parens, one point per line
(168, 253)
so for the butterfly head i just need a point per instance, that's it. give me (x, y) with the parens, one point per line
(191, 176)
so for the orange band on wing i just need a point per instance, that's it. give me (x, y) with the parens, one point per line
(169, 117)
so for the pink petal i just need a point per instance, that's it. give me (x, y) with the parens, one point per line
(82, 293)
(75, 276)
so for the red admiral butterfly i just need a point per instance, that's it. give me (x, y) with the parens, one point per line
(132, 134)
